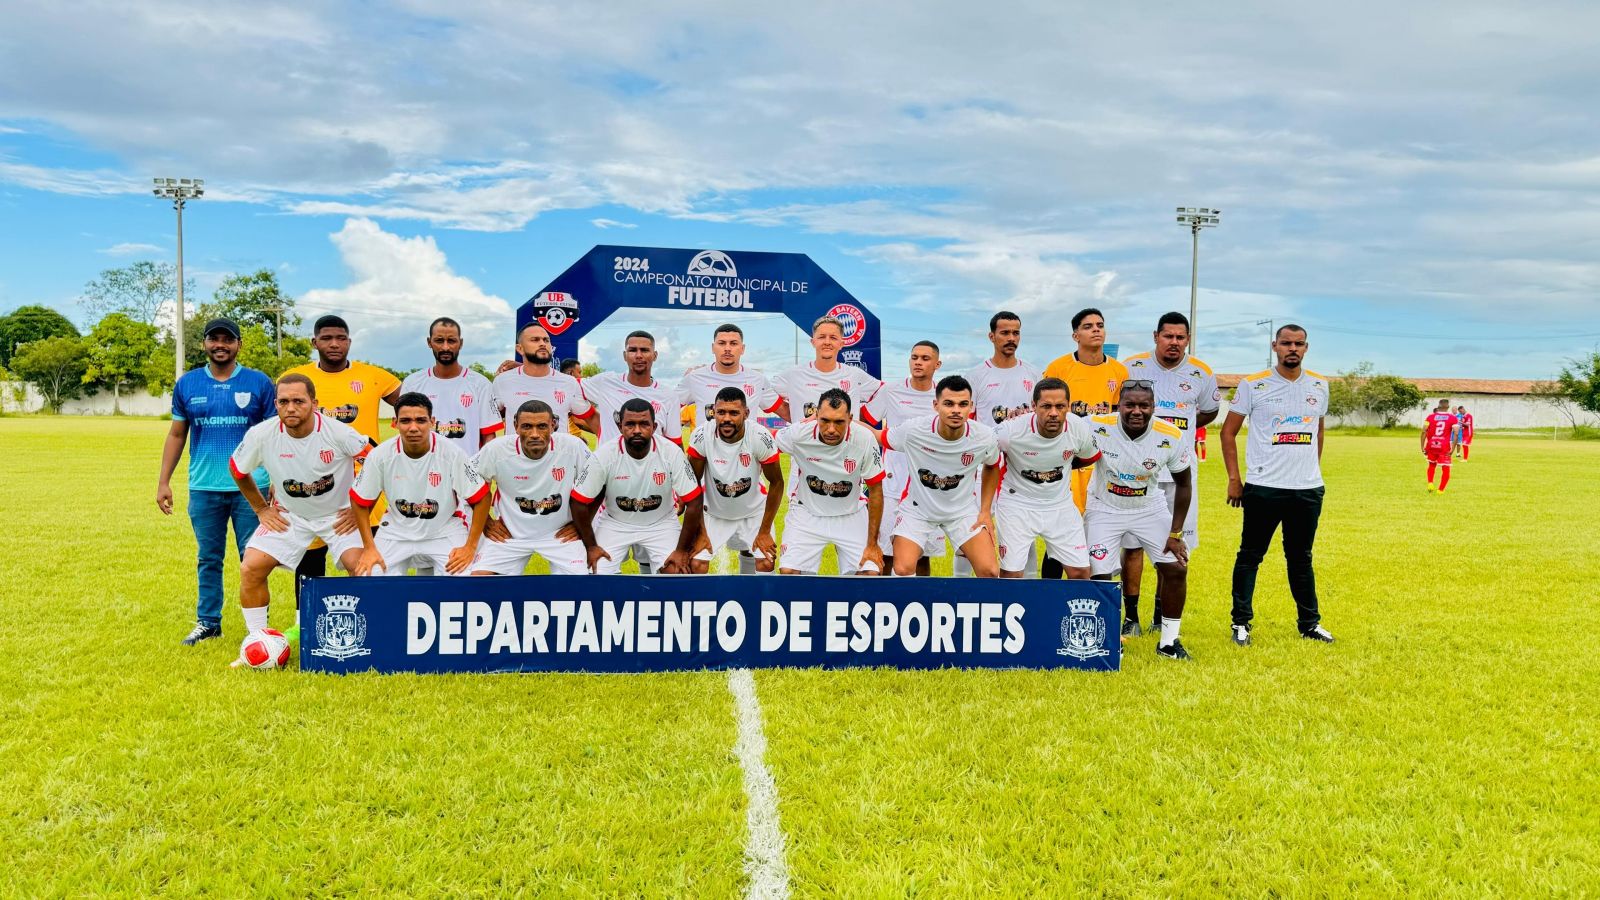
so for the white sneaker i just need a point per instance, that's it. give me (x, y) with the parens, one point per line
(1318, 634)
(1241, 635)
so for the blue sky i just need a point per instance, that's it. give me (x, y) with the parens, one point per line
(1416, 183)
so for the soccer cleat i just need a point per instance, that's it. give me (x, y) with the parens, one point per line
(1130, 628)
(1318, 634)
(1174, 650)
(1155, 624)
(1433, 488)
(202, 632)
(1241, 635)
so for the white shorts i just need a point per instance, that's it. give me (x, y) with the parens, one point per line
(287, 547)
(912, 527)
(616, 538)
(934, 549)
(735, 534)
(511, 557)
(1111, 531)
(805, 536)
(400, 555)
(1191, 522)
(1061, 528)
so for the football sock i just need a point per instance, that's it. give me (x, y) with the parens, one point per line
(1466, 451)
(1131, 603)
(747, 565)
(1169, 631)
(1431, 467)
(255, 619)
(1444, 478)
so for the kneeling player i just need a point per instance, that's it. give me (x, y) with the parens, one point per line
(638, 476)
(832, 459)
(311, 462)
(1127, 509)
(1035, 500)
(730, 456)
(533, 473)
(945, 452)
(426, 480)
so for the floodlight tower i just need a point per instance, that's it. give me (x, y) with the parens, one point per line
(179, 191)
(1196, 219)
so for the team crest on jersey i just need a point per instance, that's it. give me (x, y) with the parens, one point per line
(1066, 455)
(849, 466)
(1083, 632)
(558, 473)
(561, 396)
(357, 387)
(967, 458)
(655, 405)
(749, 391)
(1311, 401)
(844, 384)
(744, 459)
(1151, 464)
(241, 398)
(1185, 386)
(326, 456)
(466, 401)
(1111, 385)
(1098, 551)
(434, 478)
(659, 478)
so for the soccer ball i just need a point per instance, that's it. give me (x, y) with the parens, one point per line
(267, 649)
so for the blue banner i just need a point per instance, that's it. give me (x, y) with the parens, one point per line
(632, 623)
(609, 278)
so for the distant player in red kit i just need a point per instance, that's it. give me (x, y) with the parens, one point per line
(1465, 444)
(1437, 431)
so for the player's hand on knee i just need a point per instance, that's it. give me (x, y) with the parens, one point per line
(345, 521)
(566, 534)
(597, 553)
(271, 518)
(767, 547)
(871, 560)
(459, 559)
(370, 559)
(497, 531)
(1179, 549)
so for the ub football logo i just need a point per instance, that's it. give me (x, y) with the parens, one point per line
(341, 631)
(555, 311)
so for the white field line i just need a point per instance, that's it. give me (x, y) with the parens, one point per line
(763, 848)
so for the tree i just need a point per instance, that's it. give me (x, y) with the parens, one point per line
(1579, 380)
(138, 291)
(1344, 392)
(54, 366)
(589, 369)
(252, 300)
(31, 323)
(258, 351)
(158, 372)
(1390, 397)
(119, 347)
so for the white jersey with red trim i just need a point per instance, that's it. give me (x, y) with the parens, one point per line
(531, 495)
(733, 471)
(828, 477)
(311, 476)
(1039, 469)
(897, 403)
(638, 491)
(700, 385)
(998, 394)
(1182, 392)
(943, 485)
(464, 407)
(424, 492)
(609, 390)
(562, 393)
(1127, 476)
(803, 385)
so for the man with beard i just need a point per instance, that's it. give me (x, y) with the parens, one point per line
(730, 457)
(212, 408)
(1285, 405)
(310, 461)
(463, 400)
(1002, 387)
(831, 461)
(802, 386)
(1041, 449)
(639, 476)
(533, 473)
(901, 401)
(536, 379)
(609, 391)
(701, 385)
(426, 479)
(1127, 508)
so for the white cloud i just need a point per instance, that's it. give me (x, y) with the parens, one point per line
(131, 249)
(611, 223)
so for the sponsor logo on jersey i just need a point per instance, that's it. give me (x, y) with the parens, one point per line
(1292, 437)
(303, 490)
(733, 488)
(455, 429)
(543, 506)
(1123, 490)
(1048, 476)
(422, 509)
(641, 504)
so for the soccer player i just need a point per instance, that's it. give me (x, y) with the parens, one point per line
(609, 391)
(946, 450)
(730, 456)
(348, 392)
(638, 475)
(831, 461)
(1285, 405)
(1188, 399)
(310, 460)
(571, 367)
(463, 401)
(701, 385)
(1127, 507)
(1466, 431)
(212, 408)
(1035, 501)
(426, 480)
(536, 379)
(533, 474)
(1002, 385)
(802, 386)
(1438, 439)
(902, 401)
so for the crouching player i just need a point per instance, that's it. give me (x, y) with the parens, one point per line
(1035, 501)
(638, 476)
(1127, 508)
(832, 459)
(426, 480)
(533, 473)
(311, 463)
(730, 455)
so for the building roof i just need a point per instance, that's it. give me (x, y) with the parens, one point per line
(1433, 387)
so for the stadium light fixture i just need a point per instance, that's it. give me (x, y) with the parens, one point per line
(1196, 218)
(179, 191)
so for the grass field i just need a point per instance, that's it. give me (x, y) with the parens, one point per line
(1446, 745)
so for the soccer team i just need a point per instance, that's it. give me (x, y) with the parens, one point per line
(1092, 458)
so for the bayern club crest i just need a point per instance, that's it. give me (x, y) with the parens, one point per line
(555, 311)
(466, 401)
(853, 322)
(1083, 631)
(434, 478)
(744, 459)
(967, 458)
(558, 473)
(326, 456)
(659, 478)
(341, 631)
(849, 466)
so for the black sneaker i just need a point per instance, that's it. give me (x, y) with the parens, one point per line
(1130, 628)
(1155, 624)
(1174, 650)
(1318, 634)
(202, 632)
(1241, 635)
